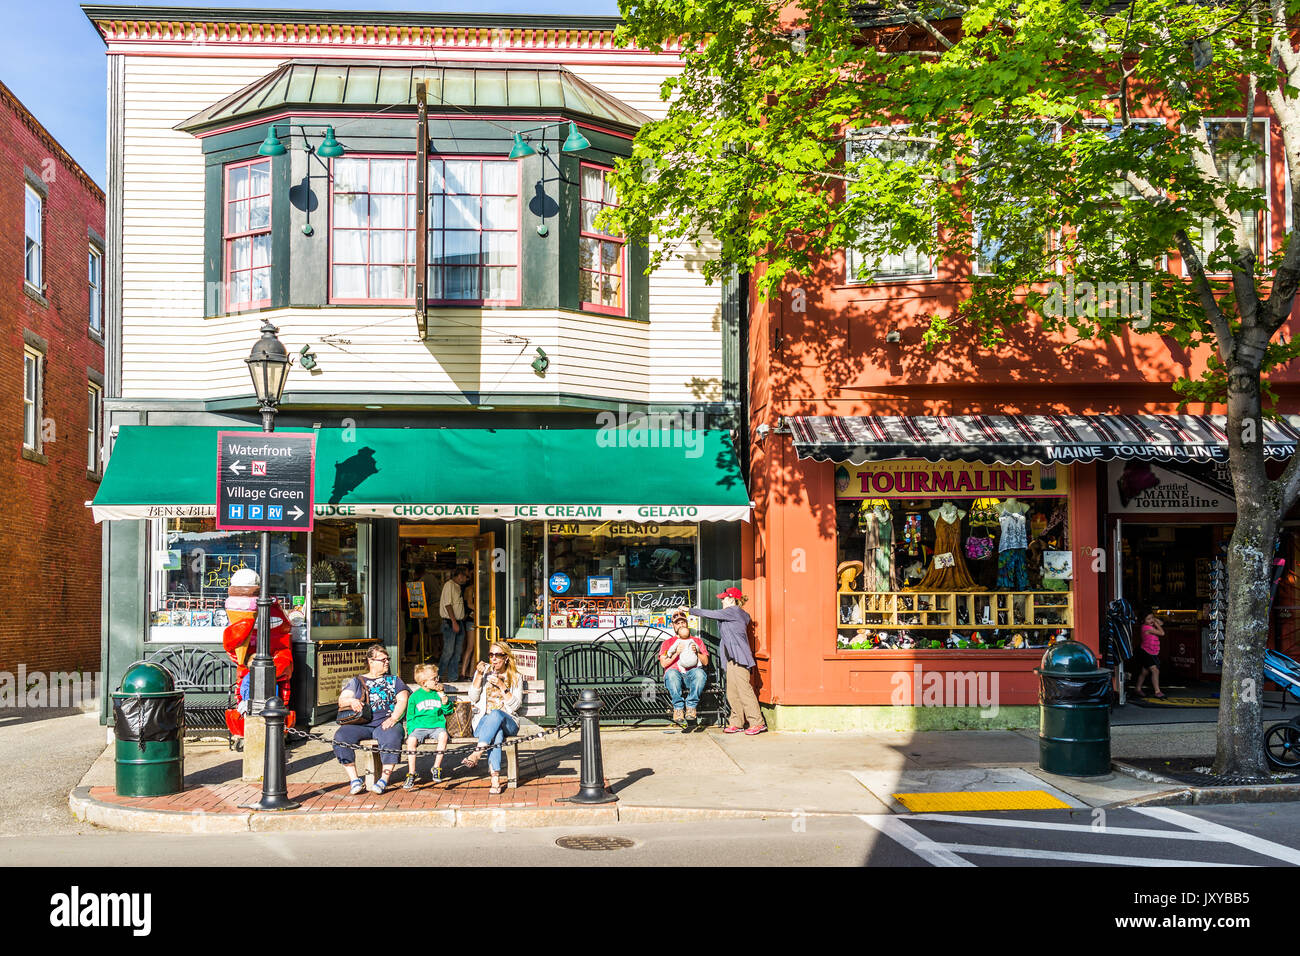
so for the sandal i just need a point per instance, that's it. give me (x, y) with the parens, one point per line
(496, 788)
(471, 760)
(1160, 696)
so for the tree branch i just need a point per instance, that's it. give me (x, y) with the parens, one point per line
(1222, 331)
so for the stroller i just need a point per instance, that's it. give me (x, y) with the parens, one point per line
(1282, 740)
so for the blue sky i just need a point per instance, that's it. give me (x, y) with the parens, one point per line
(53, 59)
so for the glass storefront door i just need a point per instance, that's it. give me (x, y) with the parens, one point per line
(485, 594)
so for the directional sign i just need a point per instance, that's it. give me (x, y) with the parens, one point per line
(265, 481)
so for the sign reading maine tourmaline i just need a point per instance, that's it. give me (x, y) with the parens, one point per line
(265, 481)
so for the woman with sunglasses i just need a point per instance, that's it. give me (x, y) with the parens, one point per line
(497, 694)
(386, 694)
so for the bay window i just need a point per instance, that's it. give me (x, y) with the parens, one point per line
(473, 230)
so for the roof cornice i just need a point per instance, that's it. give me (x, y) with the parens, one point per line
(106, 13)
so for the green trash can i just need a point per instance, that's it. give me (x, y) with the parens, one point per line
(1074, 712)
(149, 723)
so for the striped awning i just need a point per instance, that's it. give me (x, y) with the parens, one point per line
(1029, 438)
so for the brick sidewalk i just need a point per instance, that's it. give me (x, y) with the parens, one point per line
(322, 798)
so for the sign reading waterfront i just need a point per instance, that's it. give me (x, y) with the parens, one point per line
(265, 481)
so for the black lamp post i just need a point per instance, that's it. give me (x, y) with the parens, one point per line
(268, 364)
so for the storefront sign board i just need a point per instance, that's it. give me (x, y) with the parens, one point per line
(415, 601)
(265, 481)
(635, 514)
(914, 479)
(1144, 488)
(334, 667)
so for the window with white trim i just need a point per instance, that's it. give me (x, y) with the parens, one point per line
(600, 251)
(34, 231)
(1248, 171)
(910, 263)
(96, 286)
(247, 225)
(1122, 189)
(991, 253)
(94, 417)
(33, 362)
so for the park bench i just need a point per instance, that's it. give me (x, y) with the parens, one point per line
(369, 766)
(622, 667)
(207, 679)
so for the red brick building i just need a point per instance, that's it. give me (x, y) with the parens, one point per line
(51, 390)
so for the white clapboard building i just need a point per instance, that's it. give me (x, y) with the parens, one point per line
(529, 405)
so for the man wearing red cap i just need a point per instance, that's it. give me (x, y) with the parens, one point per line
(737, 659)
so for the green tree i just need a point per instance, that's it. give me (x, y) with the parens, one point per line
(1016, 125)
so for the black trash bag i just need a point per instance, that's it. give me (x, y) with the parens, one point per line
(1084, 689)
(148, 719)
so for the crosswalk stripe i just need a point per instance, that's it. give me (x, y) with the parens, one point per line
(1209, 829)
(1093, 858)
(933, 853)
(1067, 827)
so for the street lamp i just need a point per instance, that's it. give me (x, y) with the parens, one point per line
(268, 364)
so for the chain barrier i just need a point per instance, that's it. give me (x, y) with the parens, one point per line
(308, 735)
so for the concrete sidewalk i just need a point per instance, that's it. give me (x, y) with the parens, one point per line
(658, 775)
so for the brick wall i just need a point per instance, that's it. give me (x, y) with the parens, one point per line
(49, 545)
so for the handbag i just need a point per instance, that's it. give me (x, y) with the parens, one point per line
(365, 715)
(461, 721)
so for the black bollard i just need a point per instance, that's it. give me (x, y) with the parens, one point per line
(592, 775)
(275, 793)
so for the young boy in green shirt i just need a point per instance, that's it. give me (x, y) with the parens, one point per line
(426, 716)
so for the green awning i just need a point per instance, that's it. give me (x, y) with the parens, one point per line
(626, 473)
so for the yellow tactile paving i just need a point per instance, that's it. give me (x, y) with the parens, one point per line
(980, 800)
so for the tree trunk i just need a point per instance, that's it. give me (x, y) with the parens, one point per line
(1240, 750)
(1240, 744)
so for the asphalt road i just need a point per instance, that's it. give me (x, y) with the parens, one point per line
(1256, 835)
(45, 753)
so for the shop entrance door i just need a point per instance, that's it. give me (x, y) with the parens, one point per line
(485, 596)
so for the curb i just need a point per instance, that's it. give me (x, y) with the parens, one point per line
(1184, 795)
(136, 820)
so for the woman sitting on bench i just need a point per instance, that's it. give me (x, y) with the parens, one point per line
(386, 694)
(497, 694)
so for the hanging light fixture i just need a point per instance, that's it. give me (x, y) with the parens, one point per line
(330, 148)
(575, 142)
(521, 149)
(271, 146)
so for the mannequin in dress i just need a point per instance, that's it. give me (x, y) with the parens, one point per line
(878, 530)
(1013, 575)
(947, 541)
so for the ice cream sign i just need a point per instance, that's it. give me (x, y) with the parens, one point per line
(951, 479)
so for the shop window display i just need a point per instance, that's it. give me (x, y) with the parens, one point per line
(920, 565)
(604, 575)
(323, 574)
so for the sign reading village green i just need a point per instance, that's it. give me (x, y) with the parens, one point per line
(265, 481)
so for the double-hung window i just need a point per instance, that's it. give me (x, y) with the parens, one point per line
(1239, 170)
(1122, 190)
(860, 261)
(601, 263)
(33, 229)
(473, 231)
(1017, 232)
(94, 412)
(96, 284)
(248, 235)
(33, 361)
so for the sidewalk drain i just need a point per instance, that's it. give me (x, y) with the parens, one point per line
(594, 843)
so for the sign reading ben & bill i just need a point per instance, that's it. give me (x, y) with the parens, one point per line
(949, 479)
(265, 481)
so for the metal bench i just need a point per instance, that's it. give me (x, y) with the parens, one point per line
(207, 679)
(622, 666)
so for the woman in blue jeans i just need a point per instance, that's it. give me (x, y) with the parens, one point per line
(497, 694)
